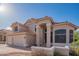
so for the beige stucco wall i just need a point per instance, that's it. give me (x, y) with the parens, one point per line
(62, 50)
(20, 27)
(9, 40)
(20, 39)
(31, 27)
(16, 40)
(31, 23)
(42, 51)
(30, 40)
(61, 26)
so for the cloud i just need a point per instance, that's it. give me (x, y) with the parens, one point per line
(8, 28)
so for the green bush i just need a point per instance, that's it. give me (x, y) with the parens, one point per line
(74, 48)
(74, 51)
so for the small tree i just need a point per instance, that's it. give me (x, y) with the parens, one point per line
(76, 36)
(76, 39)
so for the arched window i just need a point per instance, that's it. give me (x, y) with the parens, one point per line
(60, 36)
(71, 36)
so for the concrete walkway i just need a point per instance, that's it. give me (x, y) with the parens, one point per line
(10, 51)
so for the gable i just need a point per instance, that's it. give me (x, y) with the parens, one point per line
(31, 21)
(45, 19)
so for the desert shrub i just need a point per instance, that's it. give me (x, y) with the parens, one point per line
(74, 51)
(74, 48)
(76, 36)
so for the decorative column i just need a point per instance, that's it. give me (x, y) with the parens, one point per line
(38, 35)
(67, 37)
(18, 27)
(53, 37)
(41, 37)
(48, 34)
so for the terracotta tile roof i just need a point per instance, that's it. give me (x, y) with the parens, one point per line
(34, 20)
(69, 23)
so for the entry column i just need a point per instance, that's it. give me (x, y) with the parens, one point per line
(67, 37)
(38, 35)
(48, 34)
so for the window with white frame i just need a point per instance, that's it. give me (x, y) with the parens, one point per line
(60, 36)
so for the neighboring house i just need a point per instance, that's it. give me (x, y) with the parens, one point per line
(42, 32)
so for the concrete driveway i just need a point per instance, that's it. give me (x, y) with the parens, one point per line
(10, 51)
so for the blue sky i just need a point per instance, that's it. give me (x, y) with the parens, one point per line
(22, 11)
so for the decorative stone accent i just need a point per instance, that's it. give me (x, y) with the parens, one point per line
(42, 51)
(62, 50)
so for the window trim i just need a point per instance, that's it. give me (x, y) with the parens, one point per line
(60, 34)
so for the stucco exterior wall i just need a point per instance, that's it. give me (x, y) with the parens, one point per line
(16, 40)
(21, 28)
(21, 40)
(62, 26)
(30, 40)
(9, 40)
(62, 50)
(42, 51)
(31, 26)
